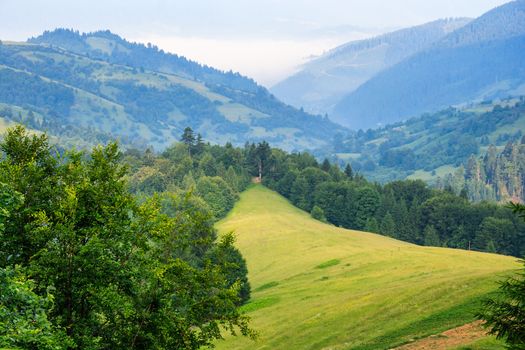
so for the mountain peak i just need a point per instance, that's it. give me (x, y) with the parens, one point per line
(502, 22)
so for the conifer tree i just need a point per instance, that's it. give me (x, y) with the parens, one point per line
(504, 314)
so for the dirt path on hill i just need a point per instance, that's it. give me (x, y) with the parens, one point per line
(450, 339)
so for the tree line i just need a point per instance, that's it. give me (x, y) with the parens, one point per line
(407, 210)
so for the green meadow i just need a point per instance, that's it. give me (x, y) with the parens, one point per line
(317, 286)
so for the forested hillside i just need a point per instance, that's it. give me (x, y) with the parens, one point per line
(482, 60)
(432, 145)
(407, 210)
(67, 82)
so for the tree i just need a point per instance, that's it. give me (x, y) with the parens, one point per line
(318, 214)
(199, 144)
(349, 172)
(24, 315)
(325, 166)
(122, 276)
(263, 153)
(496, 233)
(208, 165)
(505, 313)
(372, 225)
(431, 237)
(312, 177)
(388, 226)
(24, 320)
(217, 193)
(367, 204)
(298, 193)
(28, 168)
(234, 266)
(188, 138)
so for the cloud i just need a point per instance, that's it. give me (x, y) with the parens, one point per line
(266, 60)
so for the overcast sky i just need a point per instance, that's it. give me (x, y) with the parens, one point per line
(264, 39)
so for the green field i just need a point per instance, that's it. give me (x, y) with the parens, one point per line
(316, 286)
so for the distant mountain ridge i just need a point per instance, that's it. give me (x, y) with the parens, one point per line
(482, 60)
(101, 82)
(110, 47)
(323, 81)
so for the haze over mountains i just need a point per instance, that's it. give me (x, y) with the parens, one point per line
(322, 82)
(483, 60)
(479, 60)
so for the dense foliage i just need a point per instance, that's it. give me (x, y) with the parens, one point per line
(495, 176)
(121, 275)
(505, 313)
(24, 319)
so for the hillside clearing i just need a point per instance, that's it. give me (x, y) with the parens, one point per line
(381, 293)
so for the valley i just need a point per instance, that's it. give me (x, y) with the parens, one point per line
(373, 199)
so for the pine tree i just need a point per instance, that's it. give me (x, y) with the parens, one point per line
(388, 226)
(188, 138)
(326, 165)
(349, 172)
(431, 237)
(504, 314)
(372, 225)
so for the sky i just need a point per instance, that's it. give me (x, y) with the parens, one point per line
(265, 39)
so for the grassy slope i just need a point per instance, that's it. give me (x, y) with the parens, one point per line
(316, 286)
(490, 343)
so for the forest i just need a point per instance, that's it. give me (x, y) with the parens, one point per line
(117, 248)
(496, 175)
(408, 210)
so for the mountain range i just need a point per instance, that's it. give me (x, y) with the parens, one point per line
(324, 81)
(417, 70)
(98, 86)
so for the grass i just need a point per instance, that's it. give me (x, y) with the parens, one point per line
(267, 286)
(379, 294)
(442, 171)
(489, 343)
(328, 263)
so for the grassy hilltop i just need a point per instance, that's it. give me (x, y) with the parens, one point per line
(316, 286)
